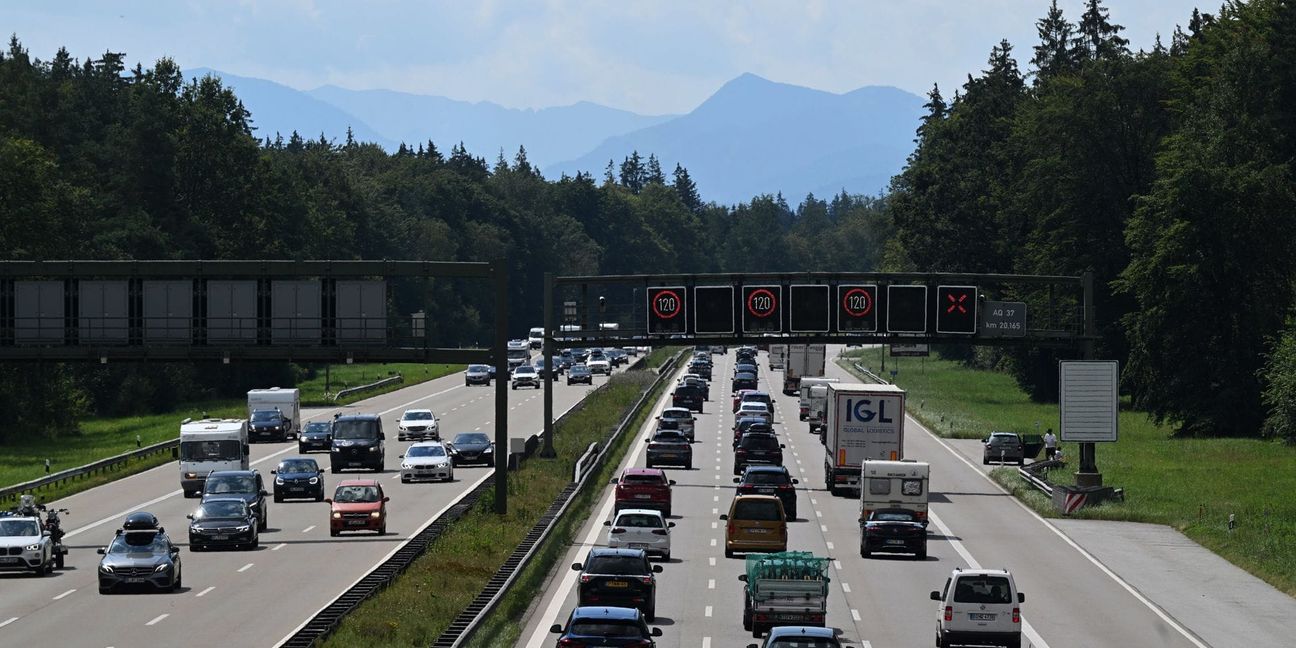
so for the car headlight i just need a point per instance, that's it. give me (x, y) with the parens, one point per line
(161, 568)
(253, 504)
(190, 475)
(314, 480)
(375, 514)
(107, 569)
(337, 515)
(373, 448)
(243, 529)
(278, 481)
(405, 466)
(33, 547)
(452, 450)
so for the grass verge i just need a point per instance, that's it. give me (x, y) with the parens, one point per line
(1192, 485)
(339, 377)
(419, 605)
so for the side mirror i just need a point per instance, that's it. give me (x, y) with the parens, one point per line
(656, 632)
(556, 629)
(190, 516)
(45, 533)
(657, 569)
(607, 523)
(737, 480)
(386, 499)
(175, 551)
(381, 436)
(796, 481)
(1021, 598)
(274, 472)
(935, 596)
(321, 471)
(742, 577)
(781, 446)
(724, 516)
(672, 482)
(328, 500)
(400, 456)
(101, 551)
(262, 493)
(577, 566)
(670, 525)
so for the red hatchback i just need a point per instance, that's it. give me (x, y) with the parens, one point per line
(643, 488)
(358, 505)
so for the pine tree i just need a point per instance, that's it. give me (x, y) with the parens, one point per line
(686, 189)
(433, 154)
(1097, 38)
(350, 140)
(936, 111)
(1054, 55)
(520, 163)
(632, 173)
(609, 178)
(654, 174)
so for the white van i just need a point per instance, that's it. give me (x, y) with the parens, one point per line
(807, 399)
(979, 607)
(210, 445)
(535, 337)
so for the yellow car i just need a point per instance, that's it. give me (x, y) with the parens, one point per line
(756, 523)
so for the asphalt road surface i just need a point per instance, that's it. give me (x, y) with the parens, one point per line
(250, 598)
(1072, 601)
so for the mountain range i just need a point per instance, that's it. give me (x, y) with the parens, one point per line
(752, 136)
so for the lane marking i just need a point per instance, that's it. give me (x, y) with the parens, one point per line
(823, 528)
(64, 594)
(245, 567)
(711, 560)
(710, 583)
(706, 642)
(308, 529)
(708, 611)
(157, 619)
(204, 592)
(279, 546)
(829, 544)
(713, 542)
(837, 565)
(8, 621)
(855, 614)
(846, 587)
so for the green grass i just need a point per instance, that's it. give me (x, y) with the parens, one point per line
(342, 376)
(1190, 484)
(419, 605)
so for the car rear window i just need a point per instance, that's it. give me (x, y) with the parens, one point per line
(643, 480)
(639, 521)
(605, 629)
(759, 442)
(756, 510)
(766, 478)
(629, 565)
(982, 589)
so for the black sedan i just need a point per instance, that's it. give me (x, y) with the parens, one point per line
(298, 477)
(478, 375)
(744, 380)
(579, 373)
(223, 523)
(144, 558)
(317, 436)
(471, 448)
(894, 530)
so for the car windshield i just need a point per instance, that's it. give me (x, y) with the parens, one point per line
(426, 451)
(606, 628)
(640, 521)
(518, 353)
(317, 427)
(210, 450)
(222, 509)
(766, 478)
(343, 429)
(669, 436)
(472, 438)
(616, 565)
(982, 589)
(356, 494)
(298, 466)
(759, 442)
(524, 369)
(19, 528)
(260, 416)
(653, 480)
(893, 516)
(579, 370)
(230, 484)
(478, 369)
(756, 510)
(418, 416)
(150, 542)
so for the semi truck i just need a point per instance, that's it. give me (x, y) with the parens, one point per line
(789, 588)
(864, 422)
(209, 445)
(803, 360)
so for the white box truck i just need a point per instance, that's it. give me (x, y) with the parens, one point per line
(274, 413)
(864, 422)
(803, 360)
(808, 411)
(778, 356)
(209, 445)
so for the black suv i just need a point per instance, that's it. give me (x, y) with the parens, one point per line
(756, 448)
(317, 435)
(242, 484)
(269, 425)
(357, 443)
(1003, 447)
(770, 480)
(619, 578)
(689, 396)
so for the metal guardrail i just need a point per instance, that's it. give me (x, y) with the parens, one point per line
(390, 380)
(590, 454)
(871, 376)
(11, 492)
(468, 621)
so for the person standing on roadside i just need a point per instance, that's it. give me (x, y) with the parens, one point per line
(1050, 444)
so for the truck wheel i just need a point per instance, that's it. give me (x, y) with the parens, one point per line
(757, 630)
(747, 624)
(729, 553)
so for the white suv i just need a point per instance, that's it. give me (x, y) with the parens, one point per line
(417, 425)
(980, 607)
(640, 529)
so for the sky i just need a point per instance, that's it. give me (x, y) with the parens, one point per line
(649, 57)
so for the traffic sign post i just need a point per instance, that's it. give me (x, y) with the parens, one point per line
(809, 308)
(857, 308)
(667, 310)
(762, 309)
(713, 310)
(906, 309)
(956, 310)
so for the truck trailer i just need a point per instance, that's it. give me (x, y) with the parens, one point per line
(864, 422)
(803, 361)
(784, 589)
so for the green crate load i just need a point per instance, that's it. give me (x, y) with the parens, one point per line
(787, 565)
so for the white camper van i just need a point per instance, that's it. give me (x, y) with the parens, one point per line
(894, 484)
(209, 445)
(274, 413)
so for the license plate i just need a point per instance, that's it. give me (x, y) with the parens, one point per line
(617, 584)
(758, 530)
(134, 580)
(895, 542)
(10, 561)
(356, 522)
(643, 496)
(978, 616)
(638, 545)
(765, 491)
(220, 537)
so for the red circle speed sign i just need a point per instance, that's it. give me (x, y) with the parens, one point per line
(666, 304)
(761, 303)
(857, 302)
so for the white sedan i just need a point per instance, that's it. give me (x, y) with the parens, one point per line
(426, 461)
(417, 424)
(599, 367)
(640, 529)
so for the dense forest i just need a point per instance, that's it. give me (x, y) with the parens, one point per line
(1164, 172)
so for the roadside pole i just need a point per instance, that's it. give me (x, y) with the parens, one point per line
(552, 378)
(1088, 476)
(500, 271)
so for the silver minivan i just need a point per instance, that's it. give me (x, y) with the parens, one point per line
(979, 607)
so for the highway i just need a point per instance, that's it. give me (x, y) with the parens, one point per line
(882, 602)
(250, 598)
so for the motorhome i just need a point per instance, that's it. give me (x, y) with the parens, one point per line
(209, 445)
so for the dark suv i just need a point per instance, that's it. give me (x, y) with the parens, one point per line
(756, 448)
(689, 396)
(357, 443)
(1003, 447)
(242, 484)
(619, 578)
(770, 480)
(269, 424)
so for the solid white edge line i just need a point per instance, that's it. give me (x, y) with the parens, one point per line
(1187, 634)
(8, 621)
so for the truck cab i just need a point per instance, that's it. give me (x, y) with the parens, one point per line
(535, 337)
(209, 445)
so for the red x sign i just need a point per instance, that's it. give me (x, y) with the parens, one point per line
(956, 303)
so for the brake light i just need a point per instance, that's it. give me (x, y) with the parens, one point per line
(647, 580)
(730, 528)
(1016, 615)
(921, 515)
(785, 486)
(618, 530)
(585, 578)
(570, 643)
(661, 532)
(949, 613)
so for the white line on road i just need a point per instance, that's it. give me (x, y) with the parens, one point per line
(708, 611)
(830, 545)
(818, 513)
(308, 529)
(846, 587)
(855, 614)
(706, 642)
(156, 619)
(823, 528)
(8, 621)
(710, 583)
(837, 564)
(711, 560)
(205, 591)
(245, 567)
(715, 525)
(713, 542)
(64, 594)
(279, 546)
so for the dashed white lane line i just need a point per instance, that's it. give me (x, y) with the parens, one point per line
(715, 525)
(823, 528)
(8, 621)
(855, 614)
(837, 565)
(710, 583)
(830, 545)
(245, 567)
(279, 546)
(204, 592)
(308, 529)
(846, 587)
(64, 594)
(814, 501)
(715, 498)
(711, 560)
(707, 612)
(396, 476)
(818, 513)
(715, 511)
(157, 619)
(713, 542)
(706, 642)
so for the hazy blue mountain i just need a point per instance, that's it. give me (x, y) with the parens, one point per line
(549, 134)
(756, 136)
(277, 108)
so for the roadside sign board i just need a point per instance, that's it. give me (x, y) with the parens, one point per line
(956, 309)
(1004, 319)
(909, 350)
(906, 309)
(1090, 400)
(809, 308)
(857, 308)
(713, 310)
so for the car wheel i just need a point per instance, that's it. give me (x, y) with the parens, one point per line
(729, 553)
(985, 461)
(179, 579)
(921, 554)
(688, 465)
(382, 530)
(334, 469)
(319, 497)
(650, 615)
(757, 630)
(865, 553)
(515, 387)
(256, 541)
